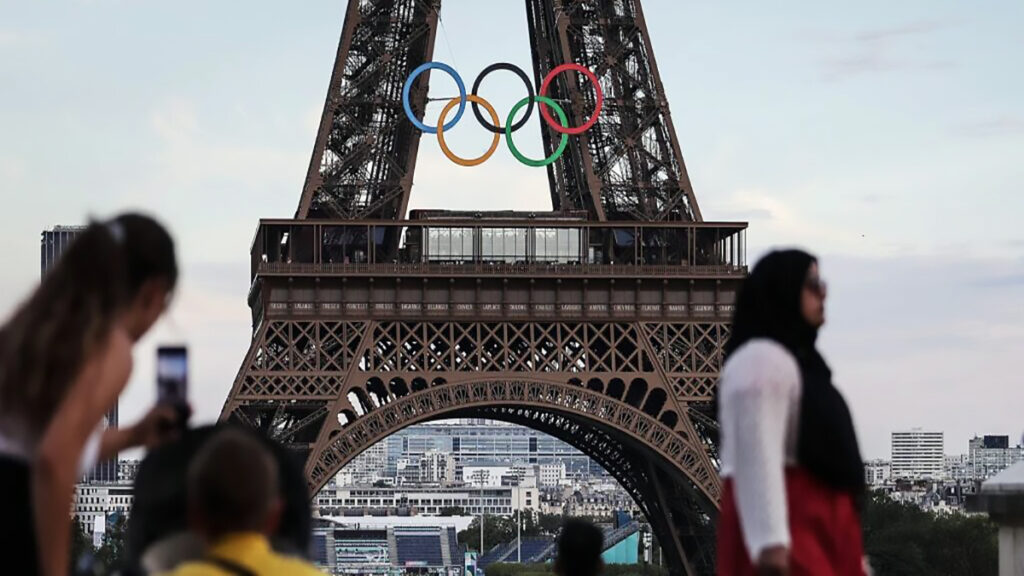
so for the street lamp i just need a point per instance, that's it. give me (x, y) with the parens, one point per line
(519, 532)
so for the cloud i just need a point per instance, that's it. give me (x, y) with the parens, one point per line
(878, 50)
(21, 40)
(192, 152)
(212, 173)
(886, 34)
(918, 341)
(1005, 125)
(745, 215)
(841, 68)
(13, 170)
(175, 122)
(784, 217)
(8, 37)
(1000, 281)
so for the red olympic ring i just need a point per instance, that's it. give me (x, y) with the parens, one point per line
(544, 92)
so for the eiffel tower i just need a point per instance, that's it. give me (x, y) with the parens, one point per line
(600, 322)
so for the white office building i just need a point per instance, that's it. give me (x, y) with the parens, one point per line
(367, 467)
(877, 472)
(492, 442)
(990, 455)
(552, 474)
(437, 467)
(918, 455)
(426, 501)
(98, 500)
(957, 468)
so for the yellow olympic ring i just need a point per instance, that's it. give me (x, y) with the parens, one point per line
(440, 131)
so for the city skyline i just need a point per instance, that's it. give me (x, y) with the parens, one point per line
(854, 133)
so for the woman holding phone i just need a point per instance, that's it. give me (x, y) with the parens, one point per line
(65, 357)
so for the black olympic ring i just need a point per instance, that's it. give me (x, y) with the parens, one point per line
(529, 88)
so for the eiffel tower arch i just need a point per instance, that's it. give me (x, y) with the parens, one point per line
(599, 322)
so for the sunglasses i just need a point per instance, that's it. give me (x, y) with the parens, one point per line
(816, 285)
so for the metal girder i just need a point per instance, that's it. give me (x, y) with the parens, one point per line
(628, 166)
(616, 390)
(365, 151)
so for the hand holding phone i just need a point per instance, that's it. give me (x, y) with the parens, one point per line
(172, 380)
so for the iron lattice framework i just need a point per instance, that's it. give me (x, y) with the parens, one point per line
(627, 167)
(366, 322)
(365, 149)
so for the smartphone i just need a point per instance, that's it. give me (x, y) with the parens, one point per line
(172, 375)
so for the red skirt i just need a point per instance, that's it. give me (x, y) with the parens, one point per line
(824, 529)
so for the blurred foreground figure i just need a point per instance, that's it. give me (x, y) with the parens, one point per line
(65, 356)
(234, 505)
(579, 549)
(158, 535)
(791, 466)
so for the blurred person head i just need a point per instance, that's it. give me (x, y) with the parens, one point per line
(118, 273)
(233, 487)
(783, 299)
(579, 549)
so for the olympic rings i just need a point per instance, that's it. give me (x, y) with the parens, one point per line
(440, 131)
(597, 107)
(529, 88)
(476, 101)
(508, 132)
(408, 86)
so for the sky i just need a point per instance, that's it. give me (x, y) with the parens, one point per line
(884, 137)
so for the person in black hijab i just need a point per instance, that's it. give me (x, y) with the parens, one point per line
(792, 470)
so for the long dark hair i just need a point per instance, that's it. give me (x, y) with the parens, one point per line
(48, 339)
(769, 303)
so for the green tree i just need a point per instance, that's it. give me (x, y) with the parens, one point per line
(81, 542)
(903, 540)
(111, 551)
(550, 523)
(497, 529)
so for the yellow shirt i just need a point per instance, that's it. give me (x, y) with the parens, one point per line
(251, 551)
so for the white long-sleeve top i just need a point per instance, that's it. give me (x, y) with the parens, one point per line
(759, 403)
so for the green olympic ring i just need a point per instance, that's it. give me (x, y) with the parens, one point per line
(508, 132)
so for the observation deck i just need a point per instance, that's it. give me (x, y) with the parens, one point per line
(496, 264)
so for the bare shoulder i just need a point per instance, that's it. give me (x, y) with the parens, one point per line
(105, 372)
(117, 353)
(119, 342)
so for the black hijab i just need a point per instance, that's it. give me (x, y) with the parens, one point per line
(769, 307)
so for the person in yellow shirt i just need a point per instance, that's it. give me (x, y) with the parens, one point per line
(234, 504)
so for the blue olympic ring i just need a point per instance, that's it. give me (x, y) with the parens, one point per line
(408, 86)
